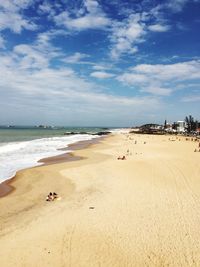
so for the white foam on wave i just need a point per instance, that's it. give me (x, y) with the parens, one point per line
(16, 156)
(120, 130)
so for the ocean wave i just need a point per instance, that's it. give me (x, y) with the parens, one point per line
(15, 156)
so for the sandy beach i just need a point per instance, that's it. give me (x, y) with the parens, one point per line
(142, 211)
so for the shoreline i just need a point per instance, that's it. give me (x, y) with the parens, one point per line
(6, 186)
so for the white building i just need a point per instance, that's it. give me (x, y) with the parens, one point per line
(181, 126)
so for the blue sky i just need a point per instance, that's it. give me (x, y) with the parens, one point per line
(90, 63)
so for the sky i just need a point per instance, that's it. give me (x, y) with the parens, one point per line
(99, 63)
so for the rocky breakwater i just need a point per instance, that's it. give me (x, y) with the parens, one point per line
(97, 133)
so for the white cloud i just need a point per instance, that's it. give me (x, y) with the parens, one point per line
(29, 57)
(159, 28)
(15, 5)
(37, 87)
(93, 18)
(101, 74)
(12, 18)
(44, 38)
(81, 23)
(126, 35)
(15, 22)
(176, 5)
(92, 6)
(46, 7)
(132, 78)
(76, 58)
(178, 71)
(37, 55)
(101, 67)
(161, 79)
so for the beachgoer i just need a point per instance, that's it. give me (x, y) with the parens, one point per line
(55, 195)
(50, 197)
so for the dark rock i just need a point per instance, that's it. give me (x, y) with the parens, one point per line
(98, 133)
(103, 133)
(70, 133)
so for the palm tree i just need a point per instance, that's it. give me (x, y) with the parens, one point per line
(190, 123)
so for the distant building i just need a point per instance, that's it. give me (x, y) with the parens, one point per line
(180, 126)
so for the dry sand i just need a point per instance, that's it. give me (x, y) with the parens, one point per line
(143, 211)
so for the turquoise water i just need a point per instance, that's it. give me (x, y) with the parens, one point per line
(8, 135)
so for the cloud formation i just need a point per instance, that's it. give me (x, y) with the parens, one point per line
(38, 87)
(126, 35)
(74, 57)
(159, 28)
(158, 79)
(101, 74)
(12, 18)
(89, 17)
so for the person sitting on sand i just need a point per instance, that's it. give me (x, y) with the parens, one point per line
(122, 158)
(50, 197)
(55, 195)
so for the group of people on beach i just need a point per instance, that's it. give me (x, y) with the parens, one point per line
(122, 158)
(51, 196)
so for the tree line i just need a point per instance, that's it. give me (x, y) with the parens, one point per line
(191, 124)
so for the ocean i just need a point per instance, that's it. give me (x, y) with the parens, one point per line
(23, 147)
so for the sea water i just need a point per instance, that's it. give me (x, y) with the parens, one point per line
(22, 148)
